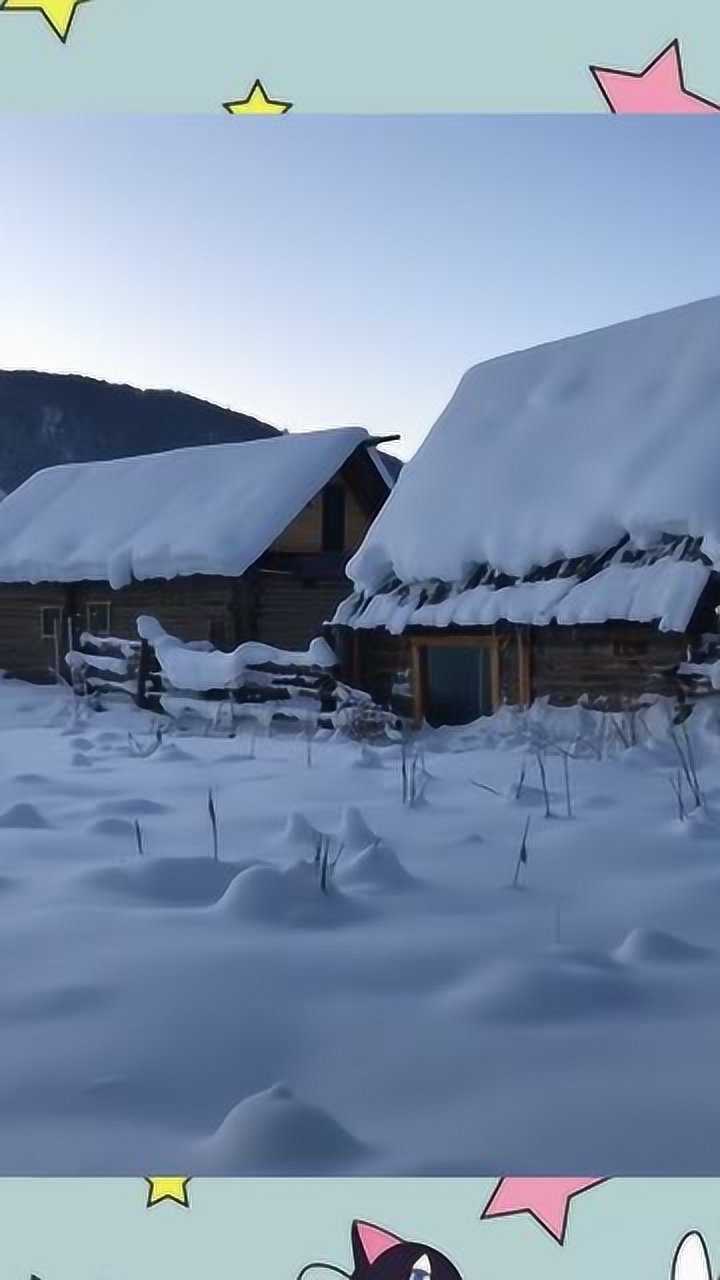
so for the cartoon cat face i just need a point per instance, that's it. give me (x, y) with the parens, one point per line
(381, 1255)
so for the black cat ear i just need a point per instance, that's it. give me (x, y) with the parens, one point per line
(370, 1242)
(358, 1252)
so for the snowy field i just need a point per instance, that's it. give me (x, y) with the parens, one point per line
(170, 1011)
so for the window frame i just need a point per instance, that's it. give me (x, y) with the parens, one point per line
(56, 609)
(419, 665)
(98, 604)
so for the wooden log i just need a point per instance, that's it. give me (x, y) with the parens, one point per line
(144, 668)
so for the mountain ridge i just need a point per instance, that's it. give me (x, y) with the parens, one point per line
(50, 418)
(47, 419)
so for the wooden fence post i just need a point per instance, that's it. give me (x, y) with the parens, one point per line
(143, 673)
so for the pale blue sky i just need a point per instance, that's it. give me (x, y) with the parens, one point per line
(320, 271)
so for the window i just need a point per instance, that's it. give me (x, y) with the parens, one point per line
(455, 679)
(97, 617)
(333, 518)
(458, 684)
(51, 622)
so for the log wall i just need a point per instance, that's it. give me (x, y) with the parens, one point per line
(192, 608)
(380, 664)
(290, 612)
(276, 608)
(613, 662)
(23, 651)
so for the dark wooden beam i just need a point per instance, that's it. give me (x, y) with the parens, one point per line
(244, 607)
(365, 481)
(417, 667)
(144, 668)
(317, 564)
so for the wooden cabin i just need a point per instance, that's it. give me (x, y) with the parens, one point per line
(556, 535)
(227, 543)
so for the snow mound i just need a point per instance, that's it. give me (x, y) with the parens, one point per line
(275, 1130)
(376, 868)
(366, 758)
(177, 882)
(81, 760)
(171, 752)
(299, 833)
(82, 744)
(560, 987)
(600, 803)
(531, 796)
(652, 946)
(698, 825)
(62, 1001)
(287, 896)
(132, 805)
(112, 827)
(354, 833)
(31, 778)
(23, 816)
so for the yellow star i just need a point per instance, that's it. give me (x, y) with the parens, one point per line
(58, 13)
(175, 1189)
(257, 103)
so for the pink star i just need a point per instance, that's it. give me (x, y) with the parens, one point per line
(660, 88)
(547, 1199)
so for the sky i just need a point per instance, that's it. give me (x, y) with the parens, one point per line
(327, 271)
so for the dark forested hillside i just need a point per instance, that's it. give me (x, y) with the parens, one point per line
(49, 418)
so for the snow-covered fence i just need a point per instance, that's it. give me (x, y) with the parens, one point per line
(194, 680)
(105, 664)
(699, 675)
(255, 679)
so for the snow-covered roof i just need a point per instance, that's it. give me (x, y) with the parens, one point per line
(566, 450)
(212, 509)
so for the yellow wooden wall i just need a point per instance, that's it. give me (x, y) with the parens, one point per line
(304, 533)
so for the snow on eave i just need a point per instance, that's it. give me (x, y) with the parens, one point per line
(208, 509)
(661, 588)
